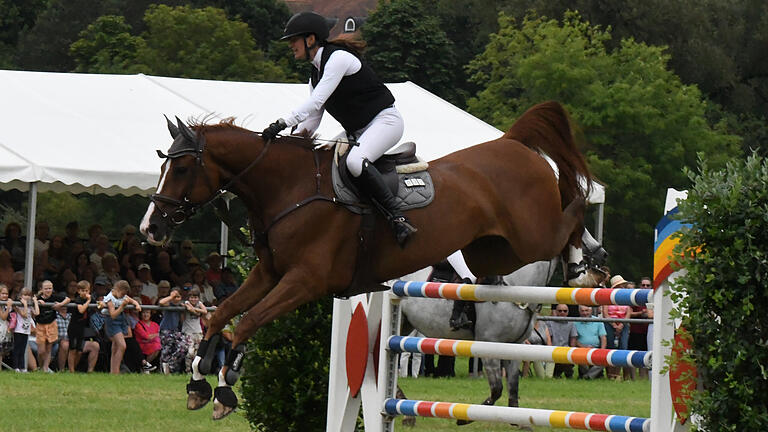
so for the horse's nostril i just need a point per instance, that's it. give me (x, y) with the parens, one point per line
(152, 228)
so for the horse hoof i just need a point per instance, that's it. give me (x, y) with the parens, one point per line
(463, 422)
(224, 402)
(409, 421)
(195, 401)
(220, 410)
(198, 394)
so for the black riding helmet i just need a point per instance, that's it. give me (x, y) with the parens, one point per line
(305, 23)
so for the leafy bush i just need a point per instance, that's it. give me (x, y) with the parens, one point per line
(724, 294)
(285, 378)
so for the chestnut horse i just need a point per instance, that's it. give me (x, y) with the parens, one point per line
(499, 202)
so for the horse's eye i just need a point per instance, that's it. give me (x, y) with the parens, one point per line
(181, 170)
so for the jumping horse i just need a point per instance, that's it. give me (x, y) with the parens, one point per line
(500, 203)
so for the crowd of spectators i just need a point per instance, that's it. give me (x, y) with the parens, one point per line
(98, 288)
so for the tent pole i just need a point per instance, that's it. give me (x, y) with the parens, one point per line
(29, 260)
(224, 239)
(599, 222)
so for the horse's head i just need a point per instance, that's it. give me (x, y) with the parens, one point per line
(185, 184)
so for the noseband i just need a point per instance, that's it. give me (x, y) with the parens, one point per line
(185, 143)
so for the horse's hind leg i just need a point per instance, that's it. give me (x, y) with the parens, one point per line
(492, 369)
(512, 368)
(251, 291)
(294, 289)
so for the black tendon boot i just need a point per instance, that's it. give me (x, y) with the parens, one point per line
(459, 318)
(384, 200)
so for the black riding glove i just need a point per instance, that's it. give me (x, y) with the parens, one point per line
(272, 130)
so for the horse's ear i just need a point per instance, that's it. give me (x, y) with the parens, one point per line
(171, 127)
(162, 155)
(186, 132)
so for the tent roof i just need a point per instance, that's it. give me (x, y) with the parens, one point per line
(98, 133)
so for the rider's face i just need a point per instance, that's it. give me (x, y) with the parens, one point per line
(297, 45)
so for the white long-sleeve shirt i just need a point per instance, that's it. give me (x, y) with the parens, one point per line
(308, 115)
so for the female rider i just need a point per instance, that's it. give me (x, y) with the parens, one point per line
(352, 93)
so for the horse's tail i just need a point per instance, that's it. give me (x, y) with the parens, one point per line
(546, 127)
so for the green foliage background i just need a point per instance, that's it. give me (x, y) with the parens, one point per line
(723, 293)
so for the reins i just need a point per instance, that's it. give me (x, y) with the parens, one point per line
(185, 209)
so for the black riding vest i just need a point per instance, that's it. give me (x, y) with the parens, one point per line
(358, 98)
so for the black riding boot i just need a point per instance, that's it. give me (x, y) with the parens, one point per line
(459, 319)
(384, 200)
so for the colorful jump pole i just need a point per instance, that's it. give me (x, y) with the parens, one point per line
(509, 351)
(518, 416)
(524, 294)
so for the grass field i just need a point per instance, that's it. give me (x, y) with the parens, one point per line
(101, 402)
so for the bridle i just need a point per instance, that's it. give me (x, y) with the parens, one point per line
(186, 142)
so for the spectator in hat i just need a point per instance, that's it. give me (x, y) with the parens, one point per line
(122, 246)
(149, 288)
(101, 287)
(617, 333)
(213, 274)
(72, 241)
(163, 269)
(182, 258)
(227, 286)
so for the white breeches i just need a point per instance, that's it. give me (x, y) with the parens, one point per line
(381, 134)
(456, 260)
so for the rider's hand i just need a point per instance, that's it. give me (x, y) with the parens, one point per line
(272, 130)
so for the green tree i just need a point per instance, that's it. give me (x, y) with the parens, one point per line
(723, 294)
(107, 46)
(202, 43)
(16, 16)
(406, 43)
(719, 46)
(640, 123)
(266, 18)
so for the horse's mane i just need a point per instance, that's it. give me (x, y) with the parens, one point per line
(202, 125)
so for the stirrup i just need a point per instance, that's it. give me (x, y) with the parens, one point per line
(402, 228)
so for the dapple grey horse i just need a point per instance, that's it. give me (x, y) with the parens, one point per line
(496, 321)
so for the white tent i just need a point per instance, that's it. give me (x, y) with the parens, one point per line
(98, 133)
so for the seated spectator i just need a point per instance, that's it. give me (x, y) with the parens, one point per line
(81, 263)
(72, 242)
(6, 267)
(201, 284)
(15, 245)
(590, 335)
(17, 284)
(46, 328)
(102, 248)
(149, 288)
(213, 274)
(101, 287)
(163, 270)
(147, 334)
(94, 231)
(54, 259)
(227, 285)
(42, 242)
(111, 268)
(182, 258)
(123, 246)
(563, 334)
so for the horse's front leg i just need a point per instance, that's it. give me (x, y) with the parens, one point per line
(296, 288)
(513, 385)
(253, 289)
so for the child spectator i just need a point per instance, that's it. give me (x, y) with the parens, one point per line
(79, 326)
(47, 329)
(24, 323)
(116, 324)
(173, 341)
(61, 348)
(6, 332)
(192, 327)
(147, 334)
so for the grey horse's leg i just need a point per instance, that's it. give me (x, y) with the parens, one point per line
(492, 370)
(512, 368)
